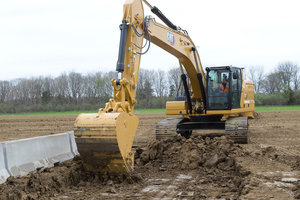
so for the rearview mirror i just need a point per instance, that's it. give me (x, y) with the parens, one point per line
(235, 75)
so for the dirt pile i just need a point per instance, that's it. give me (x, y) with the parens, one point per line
(205, 168)
(296, 190)
(296, 164)
(189, 154)
(211, 160)
(48, 182)
(44, 183)
(180, 168)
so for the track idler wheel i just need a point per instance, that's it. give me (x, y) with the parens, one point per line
(186, 134)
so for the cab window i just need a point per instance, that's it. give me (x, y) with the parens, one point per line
(218, 89)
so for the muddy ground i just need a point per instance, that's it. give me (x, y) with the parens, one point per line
(19, 127)
(267, 168)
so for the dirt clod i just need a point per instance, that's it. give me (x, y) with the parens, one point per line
(211, 159)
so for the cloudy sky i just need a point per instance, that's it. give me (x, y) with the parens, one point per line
(50, 37)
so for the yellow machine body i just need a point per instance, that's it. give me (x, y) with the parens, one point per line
(105, 139)
(247, 105)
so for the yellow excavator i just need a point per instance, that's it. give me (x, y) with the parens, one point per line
(216, 99)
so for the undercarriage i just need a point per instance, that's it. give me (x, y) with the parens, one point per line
(235, 128)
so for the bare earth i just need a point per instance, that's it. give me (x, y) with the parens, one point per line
(267, 168)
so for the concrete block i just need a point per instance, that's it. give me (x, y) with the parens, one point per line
(73, 143)
(26, 155)
(3, 171)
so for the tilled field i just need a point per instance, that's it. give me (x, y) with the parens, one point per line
(267, 168)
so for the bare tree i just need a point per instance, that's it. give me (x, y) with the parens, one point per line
(160, 83)
(144, 87)
(22, 91)
(256, 74)
(5, 88)
(35, 89)
(160, 87)
(296, 79)
(48, 89)
(174, 80)
(140, 84)
(106, 83)
(75, 81)
(272, 84)
(61, 88)
(287, 70)
(90, 87)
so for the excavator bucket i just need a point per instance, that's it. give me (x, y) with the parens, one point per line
(104, 141)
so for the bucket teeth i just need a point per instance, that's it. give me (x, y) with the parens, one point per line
(104, 141)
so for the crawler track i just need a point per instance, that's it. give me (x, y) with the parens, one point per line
(236, 128)
(167, 128)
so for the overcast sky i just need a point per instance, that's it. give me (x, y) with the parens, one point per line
(49, 37)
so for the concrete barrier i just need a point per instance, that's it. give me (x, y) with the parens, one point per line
(3, 169)
(26, 155)
(73, 144)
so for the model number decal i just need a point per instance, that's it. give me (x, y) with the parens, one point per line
(170, 38)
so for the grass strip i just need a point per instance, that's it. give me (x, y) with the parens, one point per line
(137, 111)
(146, 111)
(276, 108)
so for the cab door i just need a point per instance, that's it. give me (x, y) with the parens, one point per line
(218, 89)
(236, 87)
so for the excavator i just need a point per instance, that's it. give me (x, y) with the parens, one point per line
(214, 98)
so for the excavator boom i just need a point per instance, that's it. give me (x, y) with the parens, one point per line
(104, 139)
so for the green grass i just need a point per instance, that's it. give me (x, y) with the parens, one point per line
(141, 111)
(153, 110)
(48, 113)
(274, 108)
(137, 111)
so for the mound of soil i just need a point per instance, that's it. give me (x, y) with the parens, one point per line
(41, 184)
(48, 182)
(296, 165)
(211, 160)
(296, 190)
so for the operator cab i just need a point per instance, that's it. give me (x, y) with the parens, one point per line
(224, 86)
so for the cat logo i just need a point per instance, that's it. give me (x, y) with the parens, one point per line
(170, 38)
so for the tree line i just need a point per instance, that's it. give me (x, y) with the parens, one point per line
(278, 87)
(75, 91)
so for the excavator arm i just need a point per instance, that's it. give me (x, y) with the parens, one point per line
(105, 139)
(134, 29)
(179, 44)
